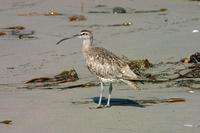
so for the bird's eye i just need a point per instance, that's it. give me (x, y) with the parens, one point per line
(84, 34)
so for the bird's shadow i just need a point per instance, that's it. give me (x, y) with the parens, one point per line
(134, 103)
(119, 102)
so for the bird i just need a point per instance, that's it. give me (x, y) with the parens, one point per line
(107, 66)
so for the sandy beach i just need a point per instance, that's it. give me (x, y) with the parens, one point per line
(157, 36)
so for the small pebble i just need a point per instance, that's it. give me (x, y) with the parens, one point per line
(195, 31)
(188, 125)
(191, 91)
(10, 68)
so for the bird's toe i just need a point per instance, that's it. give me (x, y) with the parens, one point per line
(107, 106)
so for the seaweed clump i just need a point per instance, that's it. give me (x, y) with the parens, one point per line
(139, 65)
(2, 33)
(7, 122)
(65, 76)
(118, 10)
(18, 32)
(195, 58)
(77, 18)
(53, 14)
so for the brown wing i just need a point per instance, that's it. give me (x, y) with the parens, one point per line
(104, 63)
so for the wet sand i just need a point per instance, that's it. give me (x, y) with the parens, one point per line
(165, 36)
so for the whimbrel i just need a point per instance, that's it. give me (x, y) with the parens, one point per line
(104, 64)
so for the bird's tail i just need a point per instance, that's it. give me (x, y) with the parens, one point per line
(131, 84)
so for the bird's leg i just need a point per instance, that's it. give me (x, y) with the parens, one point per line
(109, 96)
(101, 94)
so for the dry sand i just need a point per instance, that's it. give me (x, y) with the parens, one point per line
(155, 36)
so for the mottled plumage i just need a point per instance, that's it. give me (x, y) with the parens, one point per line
(104, 64)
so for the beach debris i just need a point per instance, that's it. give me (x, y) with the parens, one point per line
(151, 11)
(185, 60)
(7, 122)
(31, 14)
(53, 14)
(194, 0)
(195, 31)
(118, 10)
(18, 32)
(193, 84)
(18, 27)
(194, 71)
(122, 24)
(77, 18)
(52, 82)
(65, 76)
(150, 76)
(54, 85)
(22, 33)
(114, 10)
(170, 74)
(195, 58)
(174, 100)
(139, 65)
(2, 33)
(40, 80)
(191, 91)
(10, 68)
(188, 125)
(103, 12)
(100, 5)
(156, 101)
(108, 25)
(89, 84)
(189, 72)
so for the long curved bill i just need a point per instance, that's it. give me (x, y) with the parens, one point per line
(66, 39)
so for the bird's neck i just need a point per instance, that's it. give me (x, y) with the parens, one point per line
(87, 43)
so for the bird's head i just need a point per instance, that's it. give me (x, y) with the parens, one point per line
(85, 34)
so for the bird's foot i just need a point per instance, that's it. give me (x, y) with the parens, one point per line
(107, 106)
(99, 107)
